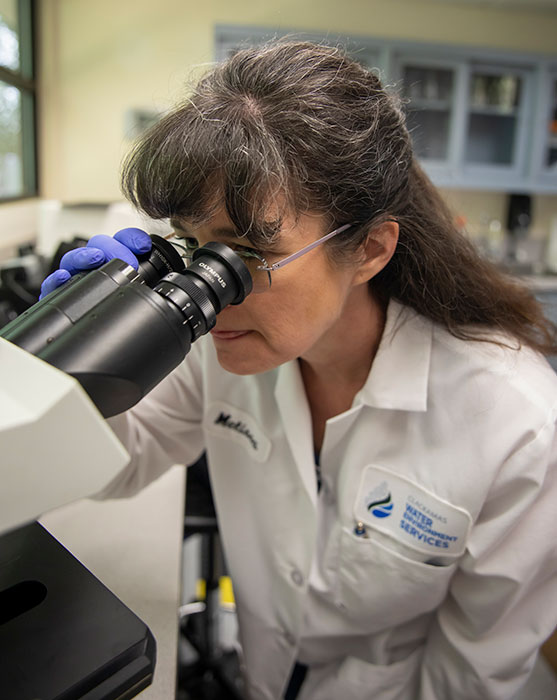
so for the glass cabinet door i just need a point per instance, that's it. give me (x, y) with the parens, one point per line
(495, 100)
(429, 92)
(550, 160)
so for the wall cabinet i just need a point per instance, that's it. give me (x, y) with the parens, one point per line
(478, 119)
(470, 122)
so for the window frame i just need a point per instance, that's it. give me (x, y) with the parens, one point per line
(24, 80)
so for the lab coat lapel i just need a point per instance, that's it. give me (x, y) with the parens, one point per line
(296, 419)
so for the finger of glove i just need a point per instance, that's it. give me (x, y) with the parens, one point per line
(80, 259)
(135, 239)
(53, 281)
(113, 249)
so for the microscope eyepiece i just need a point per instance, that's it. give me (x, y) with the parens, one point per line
(119, 331)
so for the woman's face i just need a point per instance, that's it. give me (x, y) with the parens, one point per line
(300, 314)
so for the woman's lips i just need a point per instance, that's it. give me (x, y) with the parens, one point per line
(228, 335)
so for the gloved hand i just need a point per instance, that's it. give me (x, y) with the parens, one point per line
(126, 245)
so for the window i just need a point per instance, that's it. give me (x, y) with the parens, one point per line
(17, 101)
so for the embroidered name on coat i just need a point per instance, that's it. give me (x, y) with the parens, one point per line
(237, 425)
(224, 420)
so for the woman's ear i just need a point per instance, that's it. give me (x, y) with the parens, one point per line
(377, 250)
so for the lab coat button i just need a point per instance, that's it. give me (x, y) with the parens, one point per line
(290, 638)
(297, 577)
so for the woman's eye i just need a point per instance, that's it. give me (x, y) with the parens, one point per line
(191, 243)
(248, 251)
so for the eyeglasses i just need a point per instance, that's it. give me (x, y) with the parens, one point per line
(259, 269)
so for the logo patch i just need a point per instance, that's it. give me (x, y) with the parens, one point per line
(232, 423)
(410, 514)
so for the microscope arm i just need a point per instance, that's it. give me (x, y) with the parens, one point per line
(56, 447)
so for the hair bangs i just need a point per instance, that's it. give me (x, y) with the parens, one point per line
(190, 164)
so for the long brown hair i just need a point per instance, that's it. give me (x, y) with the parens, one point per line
(308, 122)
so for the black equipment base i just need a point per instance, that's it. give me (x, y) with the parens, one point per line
(63, 634)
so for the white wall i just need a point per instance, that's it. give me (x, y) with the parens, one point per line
(99, 59)
(18, 224)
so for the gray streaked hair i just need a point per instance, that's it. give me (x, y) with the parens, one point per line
(292, 122)
(298, 127)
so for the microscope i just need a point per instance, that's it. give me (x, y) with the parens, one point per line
(89, 350)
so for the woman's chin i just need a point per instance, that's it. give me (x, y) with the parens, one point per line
(242, 357)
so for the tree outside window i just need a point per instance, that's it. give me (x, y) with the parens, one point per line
(17, 101)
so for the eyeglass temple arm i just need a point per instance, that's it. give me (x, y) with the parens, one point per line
(311, 246)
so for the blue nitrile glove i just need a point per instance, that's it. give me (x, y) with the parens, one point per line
(125, 245)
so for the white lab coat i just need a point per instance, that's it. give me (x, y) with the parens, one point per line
(447, 458)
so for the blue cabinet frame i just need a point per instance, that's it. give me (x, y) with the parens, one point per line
(526, 169)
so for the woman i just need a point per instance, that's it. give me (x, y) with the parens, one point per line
(378, 417)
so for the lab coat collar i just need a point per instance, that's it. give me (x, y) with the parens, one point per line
(399, 375)
(398, 380)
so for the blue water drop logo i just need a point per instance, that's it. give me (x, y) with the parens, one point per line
(379, 501)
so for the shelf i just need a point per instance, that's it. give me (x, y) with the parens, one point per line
(424, 104)
(494, 111)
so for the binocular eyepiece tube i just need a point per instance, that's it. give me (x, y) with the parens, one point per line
(119, 331)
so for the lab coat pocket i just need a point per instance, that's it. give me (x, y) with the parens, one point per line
(380, 586)
(354, 679)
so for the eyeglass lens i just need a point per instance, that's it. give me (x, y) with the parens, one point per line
(261, 278)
